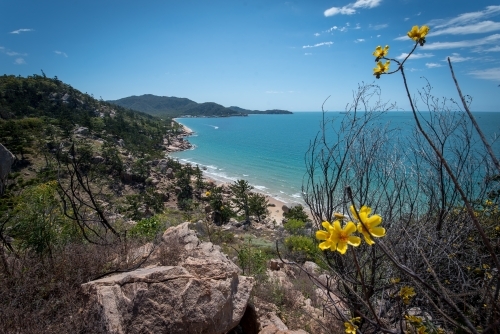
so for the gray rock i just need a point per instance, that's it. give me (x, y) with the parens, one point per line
(97, 159)
(81, 131)
(197, 289)
(6, 161)
(170, 173)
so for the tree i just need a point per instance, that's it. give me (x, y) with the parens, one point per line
(297, 212)
(240, 190)
(220, 207)
(257, 205)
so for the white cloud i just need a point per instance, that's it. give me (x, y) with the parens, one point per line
(343, 29)
(316, 45)
(12, 53)
(366, 3)
(350, 9)
(332, 29)
(467, 18)
(18, 31)
(61, 53)
(475, 28)
(488, 74)
(273, 92)
(401, 38)
(493, 49)
(19, 61)
(414, 56)
(432, 65)
(463, 44)
(380, 26)
(359, 40)
(317, 34)
(307, 54)
(336, 10)
(357, 26)
(379, 35)
(456, 58)
(406, 19)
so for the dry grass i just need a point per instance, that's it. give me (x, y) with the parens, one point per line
(43, 295)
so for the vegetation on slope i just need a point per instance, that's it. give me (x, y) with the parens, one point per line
(164, 106)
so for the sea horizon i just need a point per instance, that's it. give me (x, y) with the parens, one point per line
(268, 151)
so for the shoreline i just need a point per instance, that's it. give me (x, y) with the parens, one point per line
(275, 212)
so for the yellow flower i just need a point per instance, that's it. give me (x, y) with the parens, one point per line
(422, 330)
(418, 34)
(488, 202)
(381, 68)
(339, 215)
(413, 319)
(350, 328)
(406, 293)
(395, 280)
(380, 53)
(371, 224)
(336, 237)
(207, 193)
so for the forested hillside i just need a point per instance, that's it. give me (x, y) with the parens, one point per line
(46, 110)
(164, 106)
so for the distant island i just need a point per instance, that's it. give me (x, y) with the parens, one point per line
(165, 106)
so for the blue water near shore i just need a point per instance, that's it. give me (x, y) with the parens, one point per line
(268, 150)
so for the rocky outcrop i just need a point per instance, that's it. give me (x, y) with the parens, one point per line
(188, 287)
(6, 161)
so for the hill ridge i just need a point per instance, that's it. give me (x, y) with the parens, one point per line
(171, 106)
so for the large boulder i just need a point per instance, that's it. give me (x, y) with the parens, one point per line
(187, 287)
(6, 161)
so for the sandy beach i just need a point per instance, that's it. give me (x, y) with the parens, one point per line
(276, 211)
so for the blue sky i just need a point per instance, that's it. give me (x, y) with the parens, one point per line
(255, 54)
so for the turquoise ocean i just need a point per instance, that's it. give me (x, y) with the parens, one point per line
(269, 150)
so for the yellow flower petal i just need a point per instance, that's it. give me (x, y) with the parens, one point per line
(350, 228)
(377, 232)
(336, 226)
(327, 226)
(424, 30)
(342, 247)
(354, 241)
(322, 235)
(325, 245)
(374, 220)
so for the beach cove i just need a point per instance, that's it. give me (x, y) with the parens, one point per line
(269, 150)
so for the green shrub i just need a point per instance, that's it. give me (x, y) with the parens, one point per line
(301, 248)
(294, 226)
(252, 261)
(147, 228)
(38, 220)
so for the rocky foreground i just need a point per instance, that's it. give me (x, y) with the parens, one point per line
(186, 286)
